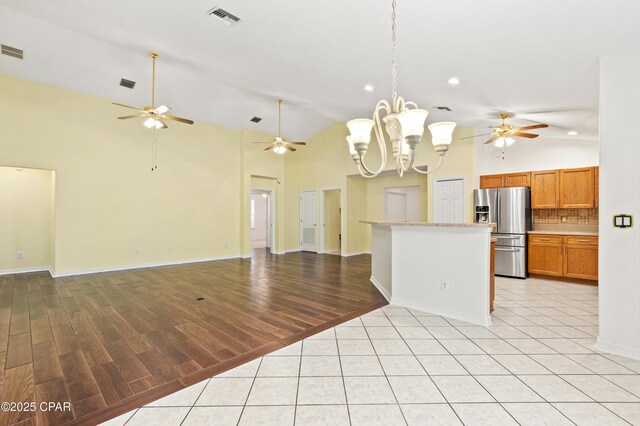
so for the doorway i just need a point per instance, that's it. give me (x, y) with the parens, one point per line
(402, 204)
(330, 218)
(448, 200)
(309, 221)
(261, 219)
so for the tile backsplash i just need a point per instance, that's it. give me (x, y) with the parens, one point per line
(570, 216)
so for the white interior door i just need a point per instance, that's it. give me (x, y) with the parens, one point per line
(309, 221)
(449, 201)
(396, 206)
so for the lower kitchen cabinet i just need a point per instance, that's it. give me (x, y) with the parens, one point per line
(545, 255)
(564, 256)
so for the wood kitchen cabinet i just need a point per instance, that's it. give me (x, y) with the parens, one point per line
(596, 186)
(563, 256)
(580, 258)
(509, 180)
(577, 188)
(491, 181)
(545, 189)
(545, 255)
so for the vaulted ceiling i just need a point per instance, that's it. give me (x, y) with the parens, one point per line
(520, 56)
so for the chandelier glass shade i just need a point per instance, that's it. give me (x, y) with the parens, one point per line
(404, 126)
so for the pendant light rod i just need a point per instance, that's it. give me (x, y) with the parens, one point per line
(394, 94)
(153, 55)
(279, 106)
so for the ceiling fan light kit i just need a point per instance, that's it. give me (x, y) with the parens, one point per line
(279, 145)
(154, 116)
(404, 124)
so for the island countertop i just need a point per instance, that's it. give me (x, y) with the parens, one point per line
(429, 224)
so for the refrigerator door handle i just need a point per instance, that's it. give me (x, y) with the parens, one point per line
(507, 249)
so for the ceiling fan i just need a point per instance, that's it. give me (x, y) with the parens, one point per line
(279, 145)
(503, 134)
(155, 116)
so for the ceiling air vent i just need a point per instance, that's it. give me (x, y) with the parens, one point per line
(443, 108)
(12, 51)
(129, 84)
(256, 119)
(224, 16)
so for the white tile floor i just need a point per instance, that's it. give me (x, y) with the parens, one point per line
(536, 365)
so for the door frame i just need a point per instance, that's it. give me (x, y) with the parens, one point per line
(321, 248)
(271, 206)
(439, 179)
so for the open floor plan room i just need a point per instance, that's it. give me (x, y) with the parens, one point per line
(319, 212)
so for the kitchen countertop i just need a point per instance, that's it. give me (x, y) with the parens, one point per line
(429, 224)
(568, 233)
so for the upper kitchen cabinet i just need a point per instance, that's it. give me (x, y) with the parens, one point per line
(491, 181)
(517, 179)
(577, 188)
(509, 180)
(545, 189)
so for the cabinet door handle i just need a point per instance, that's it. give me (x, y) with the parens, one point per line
(545, 239)
(583, 241)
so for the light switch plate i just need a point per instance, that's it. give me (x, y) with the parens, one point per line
(623, 221)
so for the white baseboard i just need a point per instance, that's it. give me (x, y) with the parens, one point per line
(140, 266)
(355, 253)
(292, 250)
(435, 310)
(622, 350)
(25, 270)
(381, 289)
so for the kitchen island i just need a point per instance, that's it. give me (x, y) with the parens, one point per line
(439, 268)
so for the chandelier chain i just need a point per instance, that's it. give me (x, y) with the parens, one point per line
(393, 43)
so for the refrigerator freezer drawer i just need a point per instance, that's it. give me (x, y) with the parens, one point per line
(514, 240)
(511, 262)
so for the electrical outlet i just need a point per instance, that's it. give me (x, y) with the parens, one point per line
(563, 219)
(226, 245)
(137, 252)
(444, 286)
(20, 254)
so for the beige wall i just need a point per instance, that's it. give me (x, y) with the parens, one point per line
(325, 163)
(108, 202)
(26, 218)
(110, 205)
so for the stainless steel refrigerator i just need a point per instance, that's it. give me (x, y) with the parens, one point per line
(510, 209)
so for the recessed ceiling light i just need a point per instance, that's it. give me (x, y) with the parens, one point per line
(454, 81)
(572, 133)
(368, 88)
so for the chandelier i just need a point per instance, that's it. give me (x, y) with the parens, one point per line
(404, 124)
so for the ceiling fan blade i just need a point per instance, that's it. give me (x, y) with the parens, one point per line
(524, 135)
(297, 143)
(180, 119)
(476, 136)
(290, 148)
(535, 126)
(128, 106)
(263, 142)
(126, 117)
(268, 148)
(164, 125)
(491, 140)
(161, 109)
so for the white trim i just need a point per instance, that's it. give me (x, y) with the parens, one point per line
(278, 252)
(355, 253)
(434, 184)
(482, 321)
(271, 205)
(140, 266)
(380, 289)
(292, 250)
(27, 270)
(612, 348)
